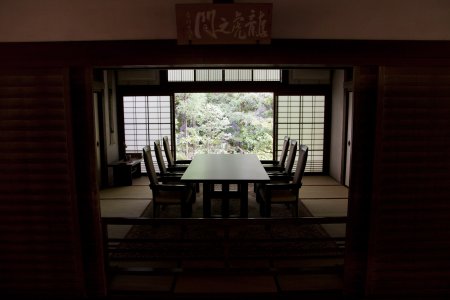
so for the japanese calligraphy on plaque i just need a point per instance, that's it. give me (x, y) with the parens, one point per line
(240, 23)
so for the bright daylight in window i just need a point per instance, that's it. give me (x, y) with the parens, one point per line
(224, 123)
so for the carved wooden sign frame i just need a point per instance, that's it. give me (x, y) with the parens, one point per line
(236, 23)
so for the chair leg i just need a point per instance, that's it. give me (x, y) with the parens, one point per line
(261, 209)
(155, 209)
(267, 209)
(189, 212)
(183, 210)
(186, 210)
(256, 186)
(295, 208)
(258, 197)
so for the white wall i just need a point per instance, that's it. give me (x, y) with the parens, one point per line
(337, 124)
(76, 20)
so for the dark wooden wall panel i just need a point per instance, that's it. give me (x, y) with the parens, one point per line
(40, 249)
(410, 238)
(365, 81)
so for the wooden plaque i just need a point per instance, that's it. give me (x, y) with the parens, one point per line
(236, 23)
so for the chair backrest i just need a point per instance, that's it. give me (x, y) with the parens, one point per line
(149, 167)
(284, 151)
(159, 157)
(301, 164)
(167, 151)
(291, 157)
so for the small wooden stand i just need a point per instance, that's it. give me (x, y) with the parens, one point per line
(124, 171)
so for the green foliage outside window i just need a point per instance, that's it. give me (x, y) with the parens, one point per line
(224, 123)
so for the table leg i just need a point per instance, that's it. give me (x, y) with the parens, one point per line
(225, 208)
(243, 191)
(207, 199)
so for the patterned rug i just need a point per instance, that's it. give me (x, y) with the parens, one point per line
(246, 238)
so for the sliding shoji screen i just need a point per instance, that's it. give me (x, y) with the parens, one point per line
(146, 119)
(227, 75)
(303, 118)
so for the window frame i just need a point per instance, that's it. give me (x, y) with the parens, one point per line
(166, 88)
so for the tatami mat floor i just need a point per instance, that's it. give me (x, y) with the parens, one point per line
(322, 195)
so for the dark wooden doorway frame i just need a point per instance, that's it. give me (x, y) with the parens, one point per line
(281, 53)
(365, 88)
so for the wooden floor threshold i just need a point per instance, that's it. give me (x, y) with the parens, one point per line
(195, 286)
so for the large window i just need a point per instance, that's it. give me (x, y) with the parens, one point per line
(303, 118)
(224, 123)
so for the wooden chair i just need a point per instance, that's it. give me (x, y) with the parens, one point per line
(284, 175)
(278, 165)
(283, 192)
(173, 165)
(164, 173)
(286, 172)
(167, 193)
